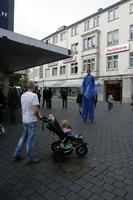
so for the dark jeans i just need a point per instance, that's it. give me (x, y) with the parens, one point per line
(64, 103)
(110, 106)
(44, 100)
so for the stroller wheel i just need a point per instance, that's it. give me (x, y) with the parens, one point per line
(58, 156)
(82, 150)
(55, 146)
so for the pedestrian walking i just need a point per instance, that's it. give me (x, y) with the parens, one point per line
(39, 95)
(64, 95)
(79, 101)
(30, 113)
(13, 103)
(96, 99)
(49, 98)
(2, 102)
(45, 92)
(110, 101)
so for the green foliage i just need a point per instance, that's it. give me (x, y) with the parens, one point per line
(19, 80)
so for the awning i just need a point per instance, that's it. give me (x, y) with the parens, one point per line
(18, 52)
(76, 83)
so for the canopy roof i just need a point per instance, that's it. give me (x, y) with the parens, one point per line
(61, 83)
(18, 52)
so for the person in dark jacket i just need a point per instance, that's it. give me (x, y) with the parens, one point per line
(45, 92)
(79, 101)
(39, 95)
(49, 98)
(64, 95)
(13, 102)
(2, 103)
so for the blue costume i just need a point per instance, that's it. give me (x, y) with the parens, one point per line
(89, 92)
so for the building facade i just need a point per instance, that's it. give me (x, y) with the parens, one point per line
(102, 42)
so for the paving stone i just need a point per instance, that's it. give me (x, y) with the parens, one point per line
(108, 187)
(85, 194)
(128, 181)
(119, 184)
(129, 196)
(95, 197)
(96, 190)
(75, 188)
(119, 192)
(50, 195)
(72, 196)
(88, 186)
(35, 197)
(27, 192)
(108, 196)
(62, 191)
(109, 154)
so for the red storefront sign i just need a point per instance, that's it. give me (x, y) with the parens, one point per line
(119, 48)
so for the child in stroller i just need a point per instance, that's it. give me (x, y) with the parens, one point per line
(67, 129)
(66, 142)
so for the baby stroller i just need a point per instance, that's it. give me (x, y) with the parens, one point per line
(65, 144)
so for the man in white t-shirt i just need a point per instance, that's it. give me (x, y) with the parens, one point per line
(30, 113)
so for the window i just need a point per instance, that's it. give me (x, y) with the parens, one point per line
(62, 70)
(131, 32)
(131, 59)
(113, 14)
(112, 37)
(55, 39)
(54, 71)
(35, 72)
(47, 73)
(96, 21)
(74, 48)
(89, 64)
(74, 31)
(89, 42)
(112, 62)
(74, 68)
(41, 71)
(131, 8)
(63, 36)
(87, 25)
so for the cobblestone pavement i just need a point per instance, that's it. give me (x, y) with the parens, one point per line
(105, 173)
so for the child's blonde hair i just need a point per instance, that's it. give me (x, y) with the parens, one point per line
(64, 123)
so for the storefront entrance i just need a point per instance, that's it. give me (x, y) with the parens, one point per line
(115, 87)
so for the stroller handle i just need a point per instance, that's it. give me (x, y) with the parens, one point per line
(44, 119)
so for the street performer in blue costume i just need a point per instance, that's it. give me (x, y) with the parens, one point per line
(89, 91)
